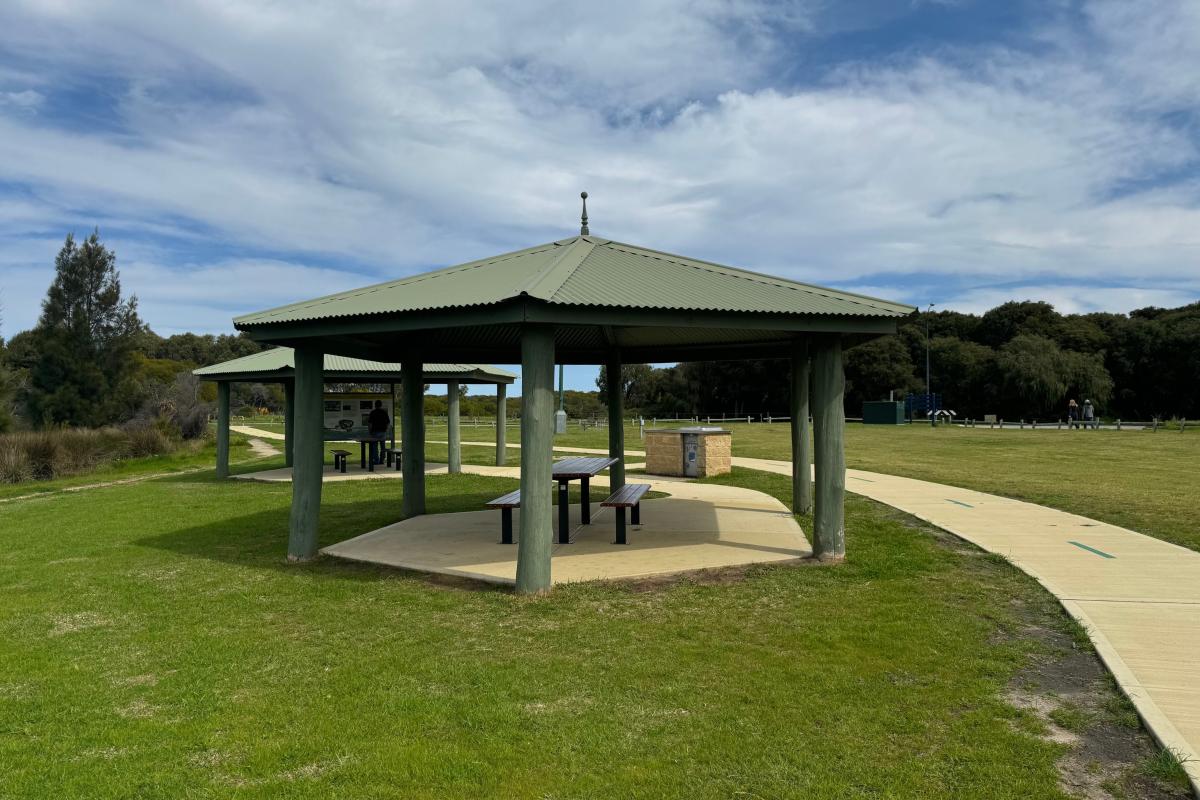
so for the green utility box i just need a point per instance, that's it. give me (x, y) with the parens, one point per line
(883, 412)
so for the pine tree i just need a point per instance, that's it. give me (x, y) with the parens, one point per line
(84, 341)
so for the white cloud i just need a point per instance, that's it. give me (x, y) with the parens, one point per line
(392, 138)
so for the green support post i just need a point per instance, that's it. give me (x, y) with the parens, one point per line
(412, 402)
(616, 423)
(222, 429)
(289, 423)
(501, 424)
(454, 432)
(309, 456)
(829, 426)
(537, 453)
(801, 466)
(395, 424)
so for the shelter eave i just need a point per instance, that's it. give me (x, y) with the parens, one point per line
(529, 310)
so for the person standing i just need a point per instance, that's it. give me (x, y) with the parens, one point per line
(1089, 415)
(378, 423)
(1072, 414)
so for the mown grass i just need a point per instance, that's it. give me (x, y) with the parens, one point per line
(154, 644)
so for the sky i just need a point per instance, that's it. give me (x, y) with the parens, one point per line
(242, 155)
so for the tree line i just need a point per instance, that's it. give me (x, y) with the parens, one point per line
(91, 361)
(1020, 360)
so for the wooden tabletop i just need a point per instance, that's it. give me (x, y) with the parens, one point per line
(581, 467)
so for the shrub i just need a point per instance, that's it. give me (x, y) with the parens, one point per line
(14, 466)
(56, 453)
(148, 440)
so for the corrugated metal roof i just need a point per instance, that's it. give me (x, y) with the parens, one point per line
(282, 359)
(588, 271)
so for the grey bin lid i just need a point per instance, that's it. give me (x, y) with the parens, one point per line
(701, 429)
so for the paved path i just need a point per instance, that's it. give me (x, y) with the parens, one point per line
(259, 432)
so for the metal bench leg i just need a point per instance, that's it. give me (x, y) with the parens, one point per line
(585, 503)
(506, 526)
(621, 525)
(399, 459)
(636, 514)
(370, 465)
(564, 513)
(362, 455)
(389, 458)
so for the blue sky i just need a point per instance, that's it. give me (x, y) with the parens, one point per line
(961, 152)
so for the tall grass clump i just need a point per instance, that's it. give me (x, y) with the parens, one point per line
(57, 453)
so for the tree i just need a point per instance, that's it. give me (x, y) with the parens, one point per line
(964, 374)
(635, 383)
(84, 339)
(1008, 320)
(8, 389)
(876, 368)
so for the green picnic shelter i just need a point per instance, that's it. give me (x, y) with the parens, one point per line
(278, 365)
(580, 300)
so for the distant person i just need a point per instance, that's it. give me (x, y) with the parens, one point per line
(378, 423)
(1089, 414)
(1072, 414)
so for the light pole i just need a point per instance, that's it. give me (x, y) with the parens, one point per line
(560, 416)
(928, 387)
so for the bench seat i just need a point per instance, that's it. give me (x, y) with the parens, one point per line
(506, 503)
(339, 459)
(628, 496)
(393, 454)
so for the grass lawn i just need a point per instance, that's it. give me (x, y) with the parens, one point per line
(154, 644)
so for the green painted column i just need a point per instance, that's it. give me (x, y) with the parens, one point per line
(289, 423)
(537, 453)
(412, 432)
(801, 466)
(829, 427)
(501, 424)
(222, 429)
(454, 431)
(616, 423)
(309, 454)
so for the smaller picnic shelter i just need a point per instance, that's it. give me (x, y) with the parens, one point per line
(278, 365)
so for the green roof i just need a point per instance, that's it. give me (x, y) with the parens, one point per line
(279, 362)
(592, 272)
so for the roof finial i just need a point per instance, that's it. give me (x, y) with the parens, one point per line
(583, 228)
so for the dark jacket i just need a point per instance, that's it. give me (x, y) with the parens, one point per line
(378, 421)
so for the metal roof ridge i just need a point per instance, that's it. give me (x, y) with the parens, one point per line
(546, 282)
(761, 277)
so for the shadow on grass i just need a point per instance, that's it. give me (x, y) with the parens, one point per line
(259, 539)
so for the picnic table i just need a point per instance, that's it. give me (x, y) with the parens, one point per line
(583, 469)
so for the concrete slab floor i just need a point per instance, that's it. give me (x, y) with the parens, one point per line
(699, 526)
